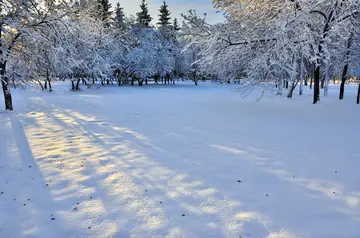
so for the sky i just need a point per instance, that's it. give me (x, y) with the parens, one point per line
(176, 7)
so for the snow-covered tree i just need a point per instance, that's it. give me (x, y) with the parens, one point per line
(153, 55)
(274, 38)
(20, 23)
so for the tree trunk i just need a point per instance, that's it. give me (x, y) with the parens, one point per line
(326, 83)
(322, 82)
(345, 69)
(77, 85)
(42, 87)
(13, 81)
(280, 86)
(293, 77)
(50, 88)
(140, 82)
(301, 89)
(6, 91)
(72, 85)
(45, 84)
(196, 83)
(48, 80)
(132, 82)
(343, 81)
(3, 79)
(291, 90)
(316, 85)
(311, 83)
(358, 94)
(146, 81)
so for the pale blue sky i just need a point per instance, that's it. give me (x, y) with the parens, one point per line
(176, 7)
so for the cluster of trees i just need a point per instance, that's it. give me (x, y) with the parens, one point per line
(279, 44)
(87, 42)
(274, 44)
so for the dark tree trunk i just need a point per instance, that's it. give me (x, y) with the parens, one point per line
(306, 81)
(48, 80)
(72, 85)
(4, 80)
(196, 83)
(42, 87)
(132, 82)
(146, 81)
(45, 84)
(107, 81)
(316, 85)
(140, 83)
(358, 94)
(287, 84)
(345, 69)
(5, 85)
(77, 85)
(6, 91)
(320, 51)
(50, 88)
(343, 81)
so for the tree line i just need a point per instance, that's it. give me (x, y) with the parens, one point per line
(280, 44)
(277, 45)
(87, 42)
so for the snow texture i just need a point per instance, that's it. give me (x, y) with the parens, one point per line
(178, 161)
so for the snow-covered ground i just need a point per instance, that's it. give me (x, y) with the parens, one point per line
(179, 161)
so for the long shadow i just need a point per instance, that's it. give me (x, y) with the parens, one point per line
(129, 161)
(294, 192)
(179, 191)
(29, 204)
(185, 182)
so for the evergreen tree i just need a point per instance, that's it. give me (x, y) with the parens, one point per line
(104, 11)
(144, 17)
(119, 19)
(164, 20)
(176, 26)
